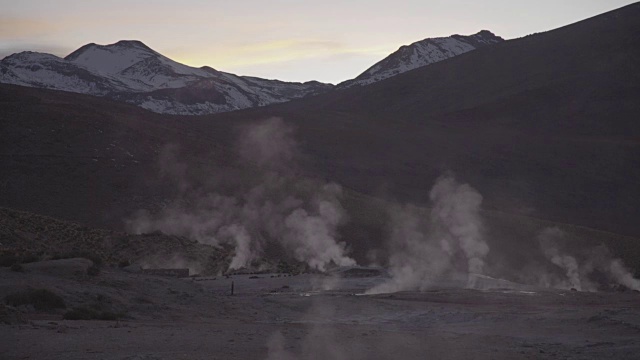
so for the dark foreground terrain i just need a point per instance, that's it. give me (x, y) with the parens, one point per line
(291, 317)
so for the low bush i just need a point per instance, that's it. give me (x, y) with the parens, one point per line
(28, 257)
(93, 270)
(8, 259)
(17, 268)
(124, 263)
(41, 299)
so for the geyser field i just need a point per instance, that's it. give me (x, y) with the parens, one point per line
(279, 215)
(281, 271)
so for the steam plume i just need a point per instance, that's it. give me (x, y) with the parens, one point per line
(274, 207)
(623, 275)
(456, 218)
(593, 270)
(547, 239)
(321, 340)
(447, 242)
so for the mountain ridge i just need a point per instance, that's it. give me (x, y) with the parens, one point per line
(130, 71)
(421, 53)
(133, 72)
(545, 125)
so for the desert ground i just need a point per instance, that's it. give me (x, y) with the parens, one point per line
(308, 316)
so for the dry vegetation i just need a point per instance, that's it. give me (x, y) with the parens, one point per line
(26, 237)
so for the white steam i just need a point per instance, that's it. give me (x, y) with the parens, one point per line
(456, 218)
(548, 242)
(623, 275)
(277, 207)
(446, 243)
(586, 273)
(269, 145)
(276, 348)
(311, 235)
(242, 239)
(320, 341)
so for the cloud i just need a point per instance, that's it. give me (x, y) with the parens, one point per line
(238, 55)
(233, 56)
(27, 34)
(12, 28)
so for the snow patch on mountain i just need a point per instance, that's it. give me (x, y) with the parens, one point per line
(132, 72)
(110, 59)
(51, 72)
(422, 53)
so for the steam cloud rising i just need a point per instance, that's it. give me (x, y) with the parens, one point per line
(446, 243)
(589, 272)
(300, 216)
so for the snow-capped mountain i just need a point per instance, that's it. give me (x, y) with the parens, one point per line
(421, 53)
(132, 72)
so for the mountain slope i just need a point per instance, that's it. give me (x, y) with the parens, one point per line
(132, 62)
(545, 126)
(97, 162)
(421, 53)
(51, 72)
(132, 72)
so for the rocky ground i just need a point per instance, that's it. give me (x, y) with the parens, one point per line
(277, 316)
(27, 237)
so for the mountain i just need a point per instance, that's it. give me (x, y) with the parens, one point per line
(421, 53)
(545, 127)
(132, 72)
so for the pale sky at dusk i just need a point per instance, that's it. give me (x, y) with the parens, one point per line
(326, 40)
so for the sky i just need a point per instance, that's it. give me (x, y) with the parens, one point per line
(325, 40)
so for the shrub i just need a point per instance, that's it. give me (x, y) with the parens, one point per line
(284, 267)
(17, 267)
(8, 259)
(41, 299)
(30, 257)
(93, 270)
